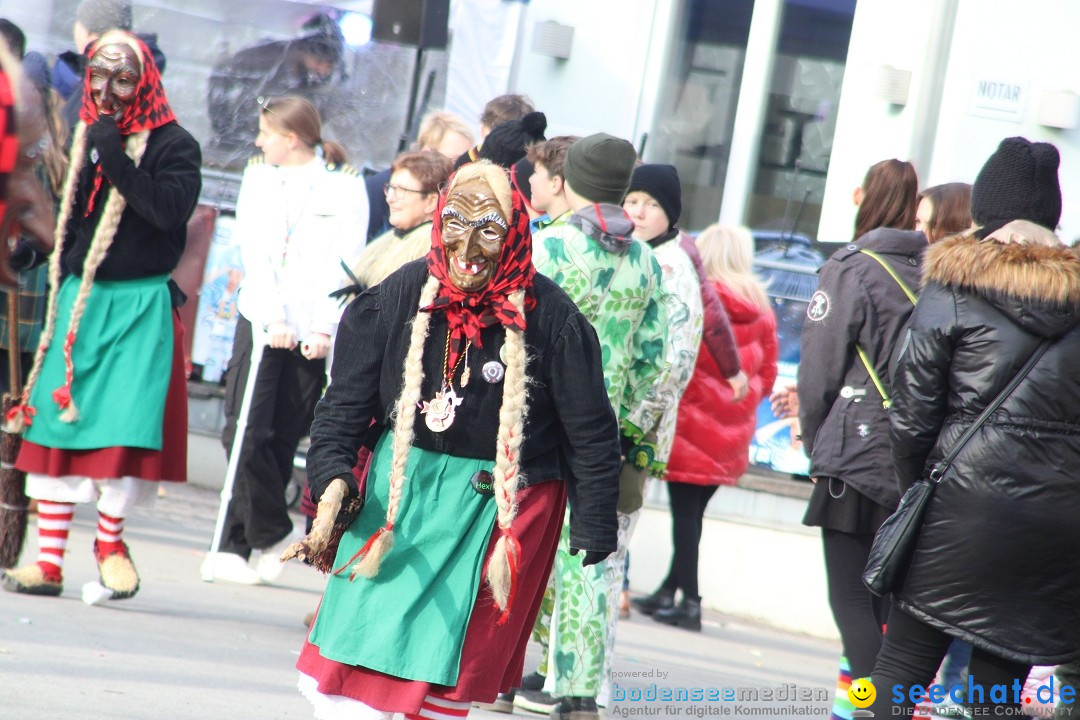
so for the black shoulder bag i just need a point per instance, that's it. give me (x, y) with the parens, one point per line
(894, 543)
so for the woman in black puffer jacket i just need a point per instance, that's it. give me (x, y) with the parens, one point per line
(990, 298)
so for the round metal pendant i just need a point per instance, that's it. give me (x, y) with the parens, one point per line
(493, 371)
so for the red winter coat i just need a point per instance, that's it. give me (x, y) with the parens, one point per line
(712, 434)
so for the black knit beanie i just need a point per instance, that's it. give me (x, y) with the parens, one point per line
(506, 144)
(520, 172)
(661, 182)
(1018, 182)
(99, 16)
(598, 167)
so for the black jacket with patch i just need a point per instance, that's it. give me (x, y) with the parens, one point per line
(845, 428)
(996, 561)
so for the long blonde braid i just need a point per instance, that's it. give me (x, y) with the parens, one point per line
(99, 246)
(506, 557)
(405, 417)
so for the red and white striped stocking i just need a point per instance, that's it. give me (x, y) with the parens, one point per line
(54, 525)
(438, 708)
(109, 531)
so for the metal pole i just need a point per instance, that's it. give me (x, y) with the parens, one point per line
(258, 343)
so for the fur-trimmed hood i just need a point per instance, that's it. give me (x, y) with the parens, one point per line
(1034, 282)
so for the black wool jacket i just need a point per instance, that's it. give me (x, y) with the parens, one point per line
(161, 194)
(571, 433)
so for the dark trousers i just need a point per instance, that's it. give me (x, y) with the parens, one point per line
(282, 408)
(859, 614)
(911, 655)
(688, 503)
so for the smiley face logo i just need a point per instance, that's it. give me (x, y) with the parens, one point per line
(862, 692)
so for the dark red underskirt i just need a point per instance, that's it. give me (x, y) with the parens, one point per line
(168, 464)
(492, 655)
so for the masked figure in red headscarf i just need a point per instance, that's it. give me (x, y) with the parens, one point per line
(104, 409)
(499, 414)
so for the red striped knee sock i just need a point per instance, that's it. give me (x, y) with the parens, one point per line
(439, 708)
(109, 531)
(54, 524)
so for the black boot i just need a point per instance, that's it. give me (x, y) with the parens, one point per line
(659, 600)
(687, 614)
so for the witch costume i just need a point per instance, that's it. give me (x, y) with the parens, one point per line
(104, 408)
(499, 415)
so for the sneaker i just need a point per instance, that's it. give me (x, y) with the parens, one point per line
(536, 701)
(269, 566)
(30, 580)
(230, 567)
(575, 708)
(503, 703)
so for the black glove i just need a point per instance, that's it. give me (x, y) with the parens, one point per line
(592, 557)
(105, 136)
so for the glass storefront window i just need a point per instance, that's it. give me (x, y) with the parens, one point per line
(696, 114)
(804, 96)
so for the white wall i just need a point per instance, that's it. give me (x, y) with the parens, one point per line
(1030, 44)
(868, 129)
(601, 87)
(773, 573)
(1048, 60)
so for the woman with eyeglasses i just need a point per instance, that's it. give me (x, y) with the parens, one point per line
(412, 193)
(301, 219)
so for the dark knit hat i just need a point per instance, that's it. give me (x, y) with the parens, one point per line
(520, 172)
(661, 182)
(1018, 182)
(598, 167)
(506, 144)
(98, 16)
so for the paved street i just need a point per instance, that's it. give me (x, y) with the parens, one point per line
(184, 649)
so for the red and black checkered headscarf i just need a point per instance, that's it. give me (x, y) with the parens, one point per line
(470, 312)
(150, 109)
(9, 140)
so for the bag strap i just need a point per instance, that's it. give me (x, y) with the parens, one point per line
(889, 269)
(941, 467)
(886, 401)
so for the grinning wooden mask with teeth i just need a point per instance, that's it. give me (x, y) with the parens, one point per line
(474, 228)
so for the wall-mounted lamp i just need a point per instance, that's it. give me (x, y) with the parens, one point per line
(553, 38)
(888, 83)
(1059, 109)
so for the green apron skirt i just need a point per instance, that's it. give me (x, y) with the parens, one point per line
(122, 358)
(409, 621)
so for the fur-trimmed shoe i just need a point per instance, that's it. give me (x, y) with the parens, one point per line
(30, 580)
(117, 572)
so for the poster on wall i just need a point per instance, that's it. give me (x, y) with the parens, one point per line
(216, 315)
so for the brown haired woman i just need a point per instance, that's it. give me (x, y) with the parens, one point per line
(854, 320)
(299, 215)
(944, 210)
